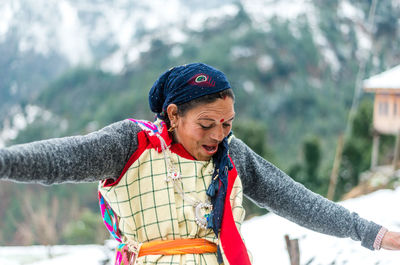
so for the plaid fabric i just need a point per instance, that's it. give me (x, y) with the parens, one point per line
(149, 209)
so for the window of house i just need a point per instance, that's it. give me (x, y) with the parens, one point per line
(383, 108)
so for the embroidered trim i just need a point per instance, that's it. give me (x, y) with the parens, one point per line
(201, 80)
(110, 219)
(127, 253)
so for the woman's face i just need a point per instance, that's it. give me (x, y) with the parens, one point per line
(202, 128)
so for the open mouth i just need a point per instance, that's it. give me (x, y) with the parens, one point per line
(210, 149)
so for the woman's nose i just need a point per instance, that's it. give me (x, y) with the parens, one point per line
(218, 134)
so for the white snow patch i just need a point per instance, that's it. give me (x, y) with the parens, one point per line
(134, 51)
(322, 42)
(6, 13)
(364, 44)
(165, 23)
(114, 63)
(176, 51)
(117, 61)
(62, 255)
(265, 63)
(238, 52)
(36, 39)
(19, 119)
(72, 38)
(177, 35)
(14, 88)
(346, 9)
(345, 29)
(263, 10)
(165, 12)
(248, 86)
(264, 236)
(331, 59)
(349, 11)
(389, 79)
(119, 23)
(196, 20)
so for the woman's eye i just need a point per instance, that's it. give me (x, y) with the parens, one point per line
(205, 127)
(226, 125)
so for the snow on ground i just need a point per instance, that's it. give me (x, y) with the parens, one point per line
(264, 237)
(62, 255)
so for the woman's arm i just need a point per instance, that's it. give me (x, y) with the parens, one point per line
(96, 156)
(271, 188)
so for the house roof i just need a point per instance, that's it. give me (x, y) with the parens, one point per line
(388, 80)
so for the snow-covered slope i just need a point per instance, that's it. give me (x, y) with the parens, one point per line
(115, 32)
(84, 31)
(264, 236)
(61, 255)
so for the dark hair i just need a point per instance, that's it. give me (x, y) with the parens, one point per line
(185, 107)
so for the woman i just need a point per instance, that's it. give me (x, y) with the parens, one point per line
(171, 191)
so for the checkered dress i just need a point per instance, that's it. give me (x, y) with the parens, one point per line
(148, 208)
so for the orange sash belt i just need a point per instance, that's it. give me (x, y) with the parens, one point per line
(177, 247)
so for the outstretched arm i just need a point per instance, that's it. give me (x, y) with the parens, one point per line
(96, 156)
(271, 188)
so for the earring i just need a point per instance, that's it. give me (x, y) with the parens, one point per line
(172, 128)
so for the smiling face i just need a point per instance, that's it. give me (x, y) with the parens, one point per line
(203, 127)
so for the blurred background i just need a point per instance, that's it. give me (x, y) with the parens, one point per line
(71, 67)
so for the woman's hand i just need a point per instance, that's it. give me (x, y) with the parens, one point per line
(391, 241)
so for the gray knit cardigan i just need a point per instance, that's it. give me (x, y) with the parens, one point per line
(103, 154)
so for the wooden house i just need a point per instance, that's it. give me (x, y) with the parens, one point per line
(386, 118)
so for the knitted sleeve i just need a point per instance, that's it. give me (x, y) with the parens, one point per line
(271, 188)
(92, 157)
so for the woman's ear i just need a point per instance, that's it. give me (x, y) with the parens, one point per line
(172, 112)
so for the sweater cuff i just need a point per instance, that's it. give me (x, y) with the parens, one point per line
(371, 231)
(379, 237)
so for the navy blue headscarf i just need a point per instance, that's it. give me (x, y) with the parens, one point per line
(182, 84)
